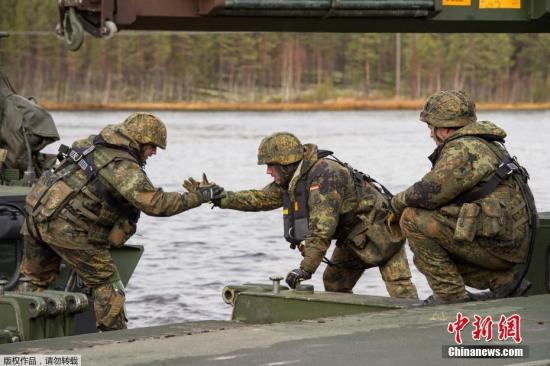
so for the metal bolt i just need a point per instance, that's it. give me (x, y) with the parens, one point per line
(276, 283)
(24, 284)
(3, 284)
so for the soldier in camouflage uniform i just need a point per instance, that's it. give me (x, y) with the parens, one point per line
(91, 201)
(324, 199)
(469, 220)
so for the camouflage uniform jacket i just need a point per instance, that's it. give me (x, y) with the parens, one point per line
(332, 194)
(87, 214)
(461, 163)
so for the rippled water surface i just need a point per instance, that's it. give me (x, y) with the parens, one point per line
(190, 257)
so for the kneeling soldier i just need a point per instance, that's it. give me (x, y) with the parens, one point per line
(471, 219)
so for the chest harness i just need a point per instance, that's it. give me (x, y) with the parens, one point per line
(83, 159)
(295, 212)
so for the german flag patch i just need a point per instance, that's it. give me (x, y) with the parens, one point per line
(314, 187)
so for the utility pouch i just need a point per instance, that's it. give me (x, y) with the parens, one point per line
(466, 224)
(53, 201)
(452, 211)
(376, 242)
(38, 191)
(493, 220)
(107, 215)
(358, 235)
(98, 235)
(121, 232)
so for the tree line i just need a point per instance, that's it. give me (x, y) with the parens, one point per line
(266, 67)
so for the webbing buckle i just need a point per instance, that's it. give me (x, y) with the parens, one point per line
(83, 164)
(75, 156)
(506, 168)
(88, 150)
(512, 168)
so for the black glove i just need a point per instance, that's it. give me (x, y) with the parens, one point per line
(217, 201)
(294, 277)
(211, 192)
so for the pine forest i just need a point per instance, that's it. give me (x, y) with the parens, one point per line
(266, 67)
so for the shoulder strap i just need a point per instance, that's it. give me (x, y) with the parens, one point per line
(100, 141)
(508, 166)
(358, 176)
(324, 153)
(80, 157)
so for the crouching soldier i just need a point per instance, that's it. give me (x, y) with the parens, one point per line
(92, 200)
(325, 199)
(471, 219)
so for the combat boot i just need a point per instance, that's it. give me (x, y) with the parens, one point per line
(433, 300)
(508, 290)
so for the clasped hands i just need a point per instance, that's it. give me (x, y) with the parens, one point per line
(209, 191)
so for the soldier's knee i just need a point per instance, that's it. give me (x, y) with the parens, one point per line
(330, 279)
(338, 280)
(331, 286)
(109, 306)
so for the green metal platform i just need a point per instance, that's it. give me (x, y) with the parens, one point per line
(395, 337)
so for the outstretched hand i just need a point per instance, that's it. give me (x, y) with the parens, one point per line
(210, 191)
(190, 185)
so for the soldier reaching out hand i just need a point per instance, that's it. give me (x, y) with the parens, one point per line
(93, 199)
(324, 199)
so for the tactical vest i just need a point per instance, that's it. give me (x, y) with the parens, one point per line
(76, 192)
(295, 211)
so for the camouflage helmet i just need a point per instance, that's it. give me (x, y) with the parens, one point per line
(280, 148)
(449, 108)
(146, 128)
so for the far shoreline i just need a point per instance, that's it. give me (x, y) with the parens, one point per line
(334, 105)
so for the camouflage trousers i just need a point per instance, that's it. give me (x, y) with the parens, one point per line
(348, 267)
(447, 264)
(93, 265)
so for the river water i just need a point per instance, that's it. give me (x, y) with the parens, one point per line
(190, 257)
